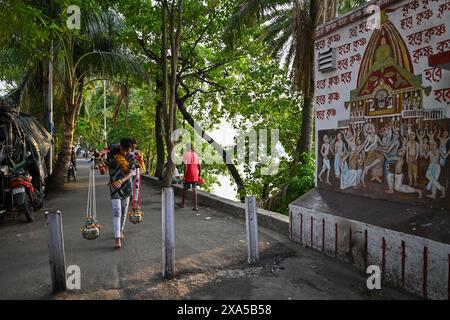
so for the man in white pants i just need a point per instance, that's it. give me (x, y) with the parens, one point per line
(121, 163)
(395, 176)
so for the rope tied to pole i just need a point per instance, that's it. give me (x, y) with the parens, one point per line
(136, 215)
(91, 229)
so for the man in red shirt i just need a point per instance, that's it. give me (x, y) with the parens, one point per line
(192, 171)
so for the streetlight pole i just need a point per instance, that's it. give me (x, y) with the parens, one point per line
(50, 110)
(104, 114)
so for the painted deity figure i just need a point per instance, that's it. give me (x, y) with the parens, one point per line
(416, 104)
(327, 152)
(406, 102)
(434, 170)
(395, 176)
(412, 155)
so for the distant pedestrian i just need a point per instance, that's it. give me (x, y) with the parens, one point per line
(192, 172)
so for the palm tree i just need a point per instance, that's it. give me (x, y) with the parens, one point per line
(90, 121)
(289, 26)
(83, 56)
(288, 29)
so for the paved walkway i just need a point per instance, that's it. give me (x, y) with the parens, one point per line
(210, 257)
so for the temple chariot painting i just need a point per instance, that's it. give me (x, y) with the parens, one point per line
(383, 111)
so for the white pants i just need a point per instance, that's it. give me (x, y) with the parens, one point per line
(120, 211)
(396, 182)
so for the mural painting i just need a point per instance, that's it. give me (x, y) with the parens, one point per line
(383, 115)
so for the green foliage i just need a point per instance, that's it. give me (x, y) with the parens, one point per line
(136, 122)
(290, 182)
(348, 5)
(249, 86)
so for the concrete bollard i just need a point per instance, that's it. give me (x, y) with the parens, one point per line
(168, 233)
(251, 220)
(57, 256)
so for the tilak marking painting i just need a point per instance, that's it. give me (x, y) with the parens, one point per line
(382, 111)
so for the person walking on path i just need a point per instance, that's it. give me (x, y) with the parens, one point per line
(192, 172)
(121, 162)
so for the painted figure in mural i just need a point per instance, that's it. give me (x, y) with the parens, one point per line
(350, 138)
(391, 150)
(382, 100)
(327, 152)
(412, 155)
(343, 156)
(395, 176)
(390, 102)
(406, 102)
(350, 174)
(386, 134)
(360, 169)
(430, 133)
(434, 170)
(339, 152)
(420, 133)
(443, 140)
(374, 158)
(416, 103)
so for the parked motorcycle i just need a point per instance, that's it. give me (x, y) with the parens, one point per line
(19, 191)
(72, 173)
(24, 149)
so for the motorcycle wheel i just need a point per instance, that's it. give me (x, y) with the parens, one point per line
(22, 201)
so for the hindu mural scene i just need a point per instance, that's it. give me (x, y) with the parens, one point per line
(382, 108)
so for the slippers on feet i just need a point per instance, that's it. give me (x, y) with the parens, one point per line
(195, 209)
(180, 205)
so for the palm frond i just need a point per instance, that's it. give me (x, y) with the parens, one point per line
(111, 66)
(247, 14)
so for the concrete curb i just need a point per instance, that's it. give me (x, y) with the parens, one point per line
(416, 264)
(268, 219)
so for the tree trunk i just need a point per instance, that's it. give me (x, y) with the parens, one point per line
(171, 119)
(72, 107)
(307, 127)
(231, 167)
(59, 175)
(306, 132)
(159, 135)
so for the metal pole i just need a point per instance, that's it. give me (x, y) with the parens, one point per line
(251, 220)
(56, 250)
(168, 233)
(104, 113)
(50, 110)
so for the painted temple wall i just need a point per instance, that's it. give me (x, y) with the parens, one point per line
(383, 105)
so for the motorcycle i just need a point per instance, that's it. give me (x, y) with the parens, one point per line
(72, 173)
(19, 191)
